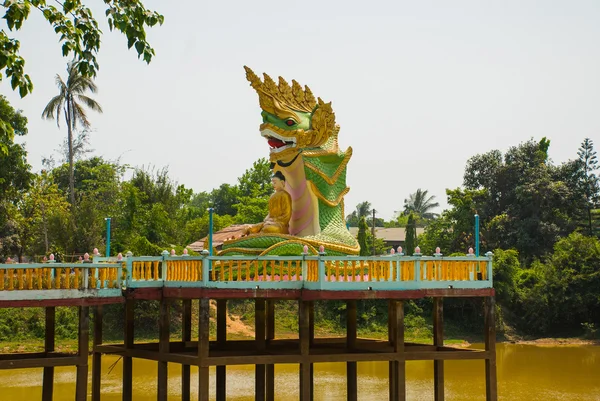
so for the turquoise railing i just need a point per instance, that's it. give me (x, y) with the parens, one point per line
(108, 276)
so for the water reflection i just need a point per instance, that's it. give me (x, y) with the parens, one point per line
(525, 373)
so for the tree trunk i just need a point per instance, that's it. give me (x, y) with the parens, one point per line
(70, 145)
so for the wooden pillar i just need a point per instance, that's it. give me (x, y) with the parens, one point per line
(97, 356)
(491, 385)
(221, 343)
(186, 335)
(203, 335)
(83, 354)
(438, 341)
(305, 368)
(270, 369)
(393, 385)
(260, 335)
(48, 381)
(351, 376)
(311, 331)
(400, 363)
(128, 343)
(163, 348)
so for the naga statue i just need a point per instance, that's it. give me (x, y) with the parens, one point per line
(306, 158)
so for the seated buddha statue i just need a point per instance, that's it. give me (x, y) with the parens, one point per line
(280, 209)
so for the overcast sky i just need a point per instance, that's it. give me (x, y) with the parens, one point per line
(418, 87)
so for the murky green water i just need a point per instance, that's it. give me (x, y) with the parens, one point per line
(525, 373)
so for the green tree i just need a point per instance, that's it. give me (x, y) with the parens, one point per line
(365, 248)
(15, 176)
(78, 32)
(70, 101)
(591, 187)
(420, 204)
(410, 241)
(363, 209)
(253, 192)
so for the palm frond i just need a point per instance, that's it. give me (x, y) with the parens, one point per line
(90, 103)
(54, 105)
(79, 115)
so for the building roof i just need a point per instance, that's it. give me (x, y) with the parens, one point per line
(396, 234)
(231, 232)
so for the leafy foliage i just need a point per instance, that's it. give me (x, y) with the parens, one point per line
(78, 32)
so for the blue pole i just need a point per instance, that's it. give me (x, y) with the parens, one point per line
(476, 235)
(210, 230)
(107, 236)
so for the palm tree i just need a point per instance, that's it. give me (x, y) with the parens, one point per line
(419, 203)
(70, 100)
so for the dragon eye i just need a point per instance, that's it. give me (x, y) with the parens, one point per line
(289, 122)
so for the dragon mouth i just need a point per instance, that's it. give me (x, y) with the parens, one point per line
(278, 143)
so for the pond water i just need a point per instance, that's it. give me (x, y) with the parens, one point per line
(525, 373)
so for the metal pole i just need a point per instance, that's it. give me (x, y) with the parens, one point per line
(476, 234)
(210, 230)
(373, 232)
(107, 236)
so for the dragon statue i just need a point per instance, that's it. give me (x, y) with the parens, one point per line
(303, 140)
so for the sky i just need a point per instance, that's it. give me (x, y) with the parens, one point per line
(418, 87)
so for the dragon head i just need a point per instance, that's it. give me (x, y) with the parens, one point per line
(293, 119)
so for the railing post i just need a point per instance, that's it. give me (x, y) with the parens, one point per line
(417, 266)
(490, 272)
(120, 271)
(206, 266)
(321, 267)
(129, 264)
(164, 255)
(304, 264)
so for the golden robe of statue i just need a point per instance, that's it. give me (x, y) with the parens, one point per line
(280, 210)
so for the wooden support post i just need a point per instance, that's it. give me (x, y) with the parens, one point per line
(83, 354)
(97, 356)
(203, 333)
(260, 336)
(48, 381)
(128, 343)
(270, 369)
(221, 343)
(400, 363)
(163, 348)
(438, 341)
(393, 385)
(351, 376)
(305, 368)
(311, 331)
(186, 335)
(491, 385)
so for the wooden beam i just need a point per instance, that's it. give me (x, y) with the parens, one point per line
(400, 364)
(221, 343)
(186, 335)
(438, 341)
(260, 336)
(97, 356)
(393, 377)
(41, 362)
(48, 380)
(128, 342)
(163, 348)
(304, 333)
(491, 385)
(270, 368)
(203, 344)
(83, 352)
(351, 367)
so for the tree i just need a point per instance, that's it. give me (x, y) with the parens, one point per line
(362, 237)
(591, 188)
(70, 101)
(79, 33)
(410, 241)
(15, 175)
(363, 209)
(420, 204)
